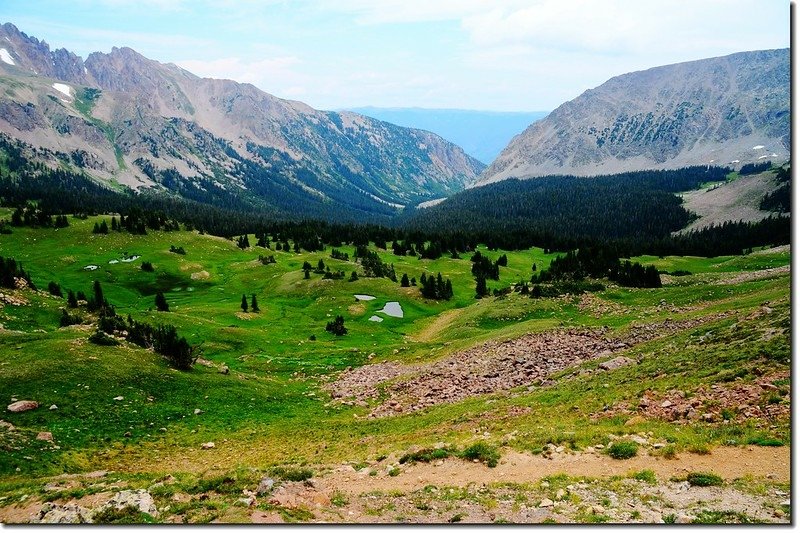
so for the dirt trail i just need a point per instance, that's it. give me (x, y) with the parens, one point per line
(441, 322)
(516, 467)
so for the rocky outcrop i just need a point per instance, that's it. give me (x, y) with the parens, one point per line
(727, 110)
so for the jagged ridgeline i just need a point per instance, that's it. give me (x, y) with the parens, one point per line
(131, 121)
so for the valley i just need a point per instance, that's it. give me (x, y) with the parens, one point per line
(277, 404)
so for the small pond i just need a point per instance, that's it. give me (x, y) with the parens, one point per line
(392, 309)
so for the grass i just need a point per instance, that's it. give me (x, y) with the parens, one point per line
(703, 479)
(271, 410)
(622, 449)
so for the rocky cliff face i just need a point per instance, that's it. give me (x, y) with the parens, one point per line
(135, 120)
(728, 110)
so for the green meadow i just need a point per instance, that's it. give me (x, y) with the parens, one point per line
(271, 408)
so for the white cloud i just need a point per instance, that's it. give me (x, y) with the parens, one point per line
(258, 72)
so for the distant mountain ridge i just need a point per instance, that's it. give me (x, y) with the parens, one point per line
(729, 110)
(123, 117)
(482, 134)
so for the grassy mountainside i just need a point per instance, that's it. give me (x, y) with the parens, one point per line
(719, 336)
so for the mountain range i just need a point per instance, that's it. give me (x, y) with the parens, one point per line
(126, 119)
(726, 111)
(482, 134)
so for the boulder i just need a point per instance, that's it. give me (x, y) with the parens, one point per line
(45, 435)
(547, 502)
(139, 499)
(53, 407)
(617, 362)
(70, 513)
(22, 406)
(207, 445)
(265, 485)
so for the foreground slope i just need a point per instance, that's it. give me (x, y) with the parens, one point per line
(125, 118)
(702, 387)
(725, 110)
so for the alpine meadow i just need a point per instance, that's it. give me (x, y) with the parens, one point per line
(218, 305)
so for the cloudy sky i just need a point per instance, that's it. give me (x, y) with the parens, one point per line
(504, 55)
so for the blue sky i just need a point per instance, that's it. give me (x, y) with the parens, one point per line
(504, 55)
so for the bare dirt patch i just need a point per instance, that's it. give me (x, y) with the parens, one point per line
(438, 325)
(202, 275)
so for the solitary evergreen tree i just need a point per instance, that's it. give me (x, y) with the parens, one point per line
(244, 303)
(254, 304)
(448, 289)
(337, 326)
(99, 301)
(161, 302)
(404, 281)
(72, 301)
(480, 287)
(353, 276)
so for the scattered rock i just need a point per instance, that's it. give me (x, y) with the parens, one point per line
(119, 398)
(53, 407)
(684, 519)
(547, 502)
(265, 485)
(207, 445)
(70, 513)
(666, 403)
(617, 362)
(560, 494)
(198, 411)
(45, 435)
(22, 406)
(224, 370)
(658, 445)
(139, 499)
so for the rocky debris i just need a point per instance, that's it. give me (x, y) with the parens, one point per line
(139, 499)
(22, 406)
(52, 513)
(734, 401)
(53, 407)
(207, 445)
(265, 485)
(11, 299)
(45, 435)
(224, 370)
(754, 275)
(299, 494)
(547, 502)
(490, 367)
(119, 398)
(589, 303)
(198, 411)
(617, 362)
(8, 426)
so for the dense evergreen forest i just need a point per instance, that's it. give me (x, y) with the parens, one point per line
(629, 214)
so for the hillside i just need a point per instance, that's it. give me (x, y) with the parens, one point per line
(482, 134)
(474, 410)
(134, 121)
(730, 110)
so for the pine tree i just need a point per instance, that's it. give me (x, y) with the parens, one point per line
(244, 303)
(404, 281)
(114, 224)
(99, 301)
(72, 301)
(254, 304)
(480, 287)
(161, 302)
(448, 289)
(353, 276)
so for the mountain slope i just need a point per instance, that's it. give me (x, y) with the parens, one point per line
(142, 123)
(482, 134)
(725, 110)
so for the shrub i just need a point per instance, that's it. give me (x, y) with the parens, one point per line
(337, 326)
(623, 449)
(765, 441)
(68, 319)
(482, 452)
(147, 266)
(703, 479)
(426, 455)
(129, 514)
(102, 339)
(648, 476)
(292, 474)
(54, 289)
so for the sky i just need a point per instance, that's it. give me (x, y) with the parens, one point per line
(500, 55)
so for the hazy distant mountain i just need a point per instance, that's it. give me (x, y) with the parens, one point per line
(123, 117)
(727, 111)
(482, 134)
